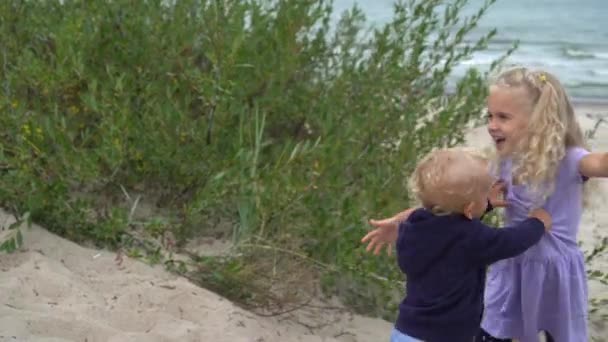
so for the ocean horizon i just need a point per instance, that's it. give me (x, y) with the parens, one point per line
(568, 38)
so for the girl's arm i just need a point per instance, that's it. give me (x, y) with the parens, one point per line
(594, 165)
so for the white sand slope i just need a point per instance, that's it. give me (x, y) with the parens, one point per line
(56, 290)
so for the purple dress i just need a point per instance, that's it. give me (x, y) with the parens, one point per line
(545, 288)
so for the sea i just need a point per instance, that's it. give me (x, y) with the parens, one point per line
(568, 38)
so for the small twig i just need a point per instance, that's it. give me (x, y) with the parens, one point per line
(286, 311)
(328, 307)
(132, 212)
(113, 174)
(134, 206)
(342, 333)
(124, 191)
(119, 258)
(213, 106)
(597, 250)
(210, 125)
(598, 121)
(7, 89)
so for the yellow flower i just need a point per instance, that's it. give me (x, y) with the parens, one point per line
(14, 104)
(543, 78)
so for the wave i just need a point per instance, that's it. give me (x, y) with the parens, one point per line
(479, 60)
(599, 72)
(585, 84)
(575, 53)
(503, 40)
(584, 54)
(509, 41)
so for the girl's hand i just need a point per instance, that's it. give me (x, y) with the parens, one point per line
(385, 233)
(497, 194)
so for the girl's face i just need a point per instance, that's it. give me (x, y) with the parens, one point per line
(508, 112)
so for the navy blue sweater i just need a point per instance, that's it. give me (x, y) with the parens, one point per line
(445, 259)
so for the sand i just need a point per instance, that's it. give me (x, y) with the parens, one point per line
(55, 290)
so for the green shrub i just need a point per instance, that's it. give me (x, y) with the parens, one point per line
(257, 121)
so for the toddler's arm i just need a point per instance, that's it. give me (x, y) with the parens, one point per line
(490, 244)
(386, 232)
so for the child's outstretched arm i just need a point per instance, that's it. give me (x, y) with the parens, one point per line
(385, 233)
(490, 244)
(387, 229)
(594, 165)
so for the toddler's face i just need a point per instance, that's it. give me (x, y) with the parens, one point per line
(508, 114)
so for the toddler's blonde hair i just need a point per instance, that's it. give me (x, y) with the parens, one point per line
(447, 180)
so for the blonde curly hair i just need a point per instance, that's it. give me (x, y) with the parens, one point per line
(552, 128)
(446, 180)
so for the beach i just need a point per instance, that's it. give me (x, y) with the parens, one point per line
(56, 290)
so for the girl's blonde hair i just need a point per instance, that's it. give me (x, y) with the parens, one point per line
(552, 128)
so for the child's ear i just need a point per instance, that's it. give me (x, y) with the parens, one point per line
(468, 210)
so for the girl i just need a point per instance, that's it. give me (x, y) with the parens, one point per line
(542, 159)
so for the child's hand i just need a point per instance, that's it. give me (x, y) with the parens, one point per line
(497, 194)
(544, 216)
(385, 233)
